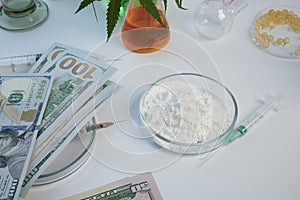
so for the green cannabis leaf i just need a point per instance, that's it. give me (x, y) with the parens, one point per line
(151, 8)
(112, 16)
(165, 5)
(84, 4)
(94, 9)
(179, 4)
(113, 9)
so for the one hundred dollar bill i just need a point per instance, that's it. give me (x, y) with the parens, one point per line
(75, 81)
(23, 99)
(139, 187)
(78, 87)
(54, 146)
(57, 50)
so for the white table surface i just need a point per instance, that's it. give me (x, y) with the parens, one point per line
(262, 165)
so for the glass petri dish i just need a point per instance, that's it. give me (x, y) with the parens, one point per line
(70, 160)
(188, 113)
(264, 24)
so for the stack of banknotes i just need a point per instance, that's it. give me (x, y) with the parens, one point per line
(138, 187)
(42, 110)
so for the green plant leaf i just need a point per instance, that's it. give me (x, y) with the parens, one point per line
(95, 13)
(165, 5)
(151, 9)
(112, 16)
(179, 4)
(84, 4)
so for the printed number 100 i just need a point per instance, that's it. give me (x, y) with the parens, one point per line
(78, 69)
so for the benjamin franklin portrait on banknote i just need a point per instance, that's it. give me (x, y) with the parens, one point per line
(13, 150)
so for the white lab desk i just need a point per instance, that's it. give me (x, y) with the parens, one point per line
(262, 165)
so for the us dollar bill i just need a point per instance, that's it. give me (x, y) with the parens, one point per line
(23, 99)
(75, 81)
(18, 64)
(54, 146)
(79, 86)
(57, 50)
(139, 187)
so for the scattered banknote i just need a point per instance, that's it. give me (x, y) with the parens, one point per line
(23, 99)
(18, 64)
(75, 80)
(139, 187)
(55, 145)
(58, 49)
(79, 86)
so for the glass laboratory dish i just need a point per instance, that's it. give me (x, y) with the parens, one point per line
(188, 113)
(276, 30)
(73, 157)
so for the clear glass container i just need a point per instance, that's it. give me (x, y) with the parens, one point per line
(22, 14)
(188, 113)
(141, 32)
(214, 18)
(276, 30)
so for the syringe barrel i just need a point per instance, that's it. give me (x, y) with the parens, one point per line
(269, 104)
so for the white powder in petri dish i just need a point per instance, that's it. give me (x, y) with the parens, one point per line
(183, 112)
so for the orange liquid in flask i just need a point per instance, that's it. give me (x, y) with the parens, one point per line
(142, 33)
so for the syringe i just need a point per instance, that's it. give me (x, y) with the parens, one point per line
(92, 127)
(270, 103)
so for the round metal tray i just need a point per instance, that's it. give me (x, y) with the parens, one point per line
(70, 160)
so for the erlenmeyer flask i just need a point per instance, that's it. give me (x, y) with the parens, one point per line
(141, 32)
(214, 18)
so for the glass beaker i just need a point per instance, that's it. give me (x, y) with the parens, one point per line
(22, 14)
(214, 18)
(141, 32)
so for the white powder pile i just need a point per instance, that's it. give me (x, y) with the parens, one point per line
(183, 112)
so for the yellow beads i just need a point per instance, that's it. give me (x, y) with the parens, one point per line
(270, 21)
(282, 41)
(297, 52)
(286, 40)
(279, 41)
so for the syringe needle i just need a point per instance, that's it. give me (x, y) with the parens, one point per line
(96, 126)
(270, 104)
